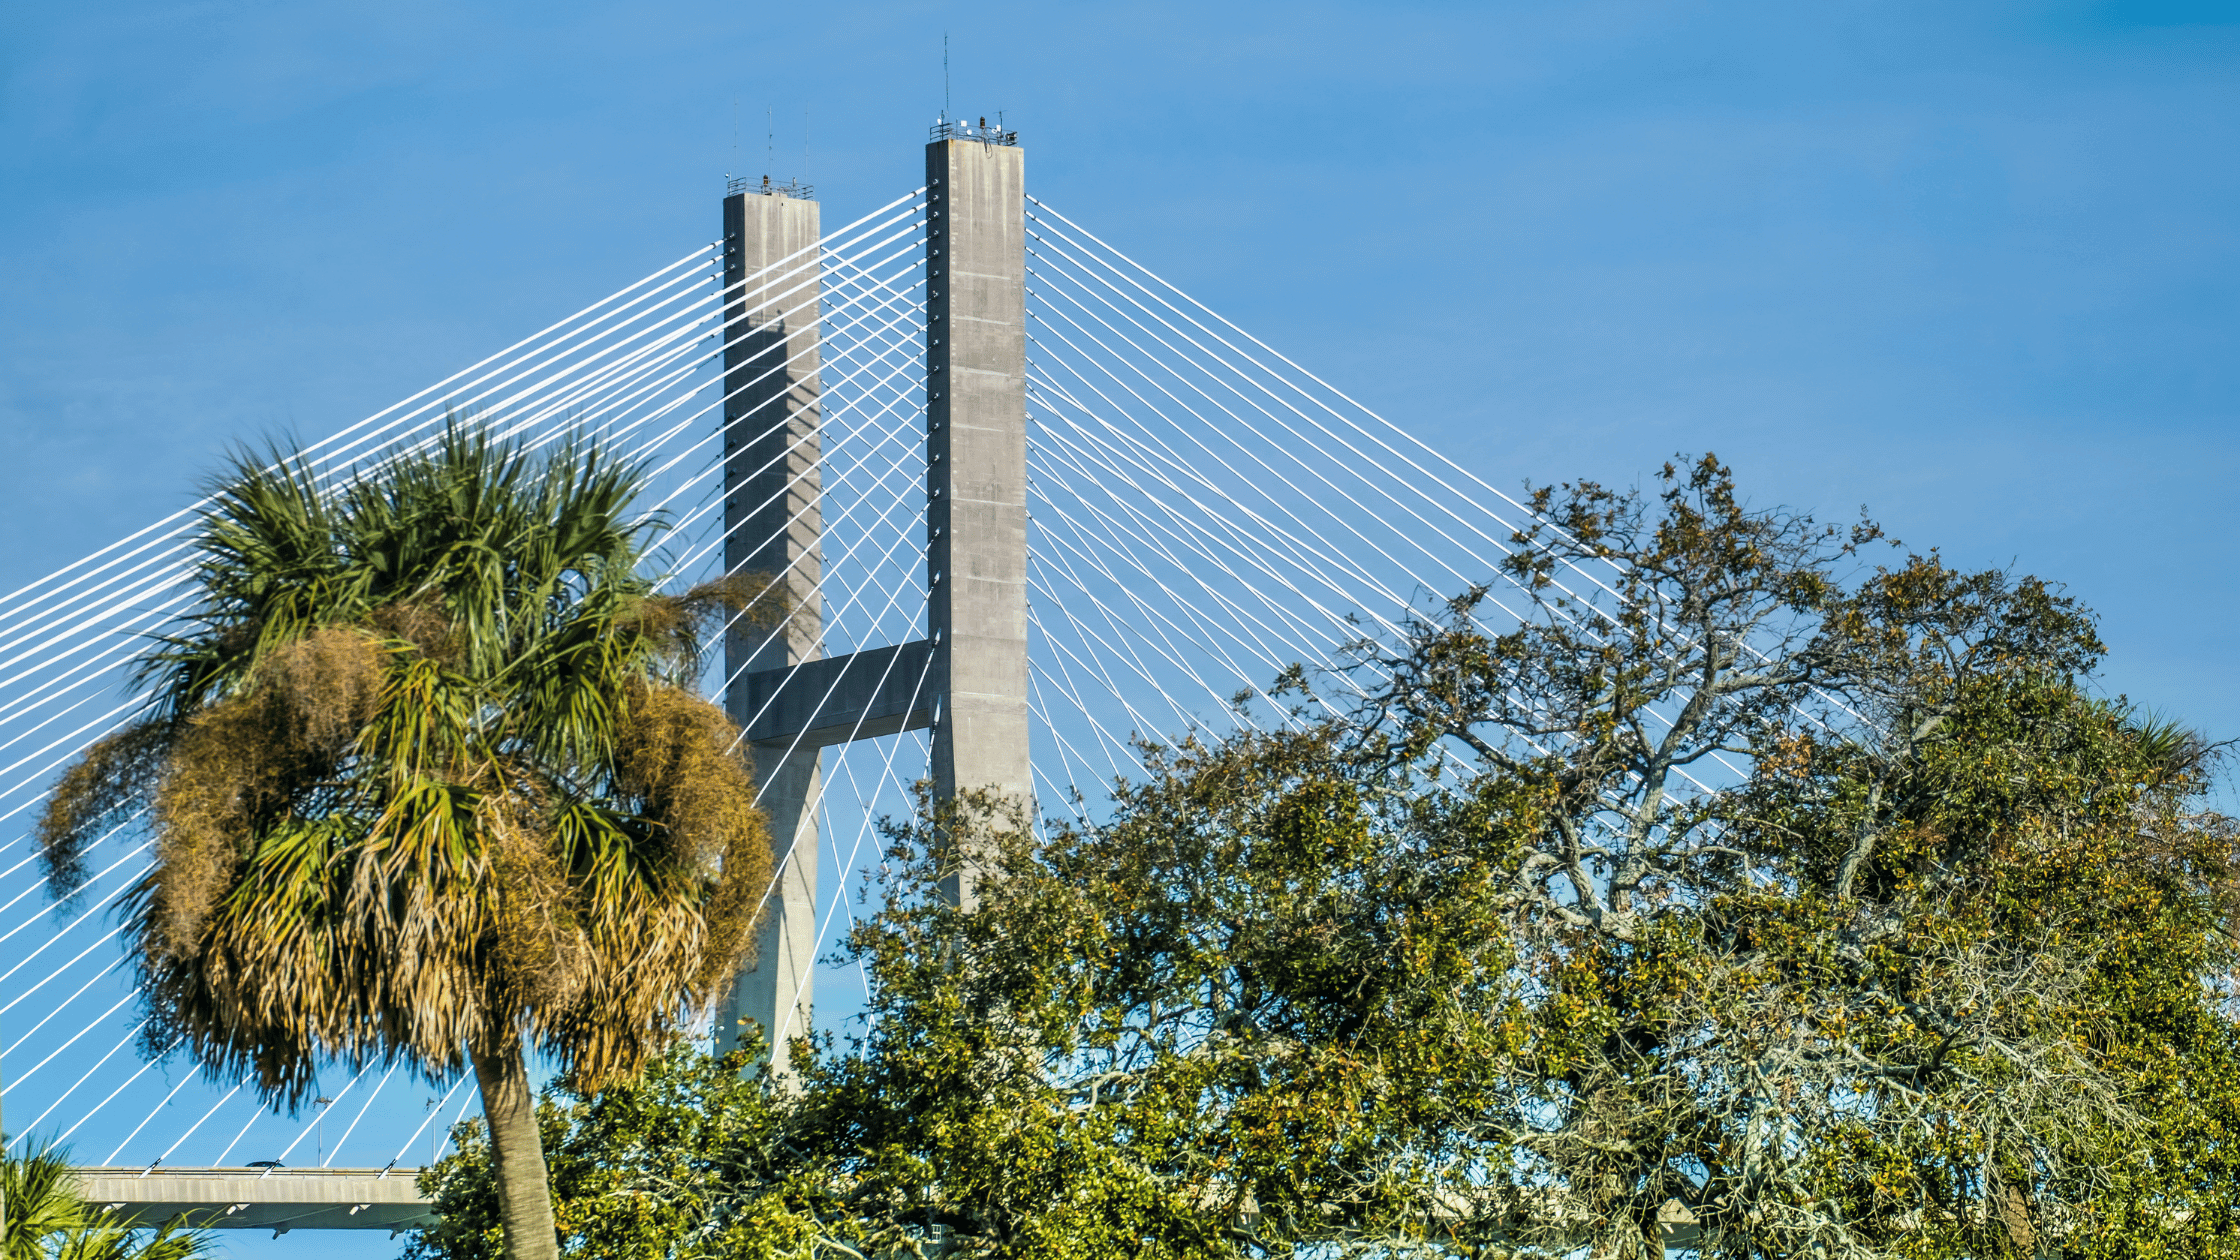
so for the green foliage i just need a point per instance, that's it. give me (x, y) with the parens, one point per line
(430, 781)
(687, 1161)
(48, 1220)
(1235, 1020)
(427, 769)
(1742, 892)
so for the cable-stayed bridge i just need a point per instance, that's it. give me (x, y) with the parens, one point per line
(1026, 503)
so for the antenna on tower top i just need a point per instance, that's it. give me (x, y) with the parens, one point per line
(944, 76)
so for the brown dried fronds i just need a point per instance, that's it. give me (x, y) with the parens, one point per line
(659, 617)
(264, 990)
(684, 624)
(732, 913)
(733, 601)
(223, 771)
(416, 922)
(119, 771)
(242, 763)
(674, 754)
(539, 952)
(761, 599)
(650, 955)
(187, 1013)
(323, 687)
(423, 623)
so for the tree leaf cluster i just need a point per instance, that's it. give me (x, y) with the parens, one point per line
(688, 1160)
(48, 1219)
(1735, 891)
(429, 780)
(428, 764)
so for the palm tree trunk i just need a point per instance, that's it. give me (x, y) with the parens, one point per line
(516, 1153)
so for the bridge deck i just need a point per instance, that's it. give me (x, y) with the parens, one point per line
(278, 1199)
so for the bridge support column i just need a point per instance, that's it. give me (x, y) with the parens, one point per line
(773, 522)
(790, 699)
(976, 477)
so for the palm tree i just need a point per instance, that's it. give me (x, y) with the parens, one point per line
(429, 783)
(47, 1220)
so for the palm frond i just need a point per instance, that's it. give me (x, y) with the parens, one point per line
(426, 771)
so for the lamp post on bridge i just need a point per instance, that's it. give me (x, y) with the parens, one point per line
(785, 692)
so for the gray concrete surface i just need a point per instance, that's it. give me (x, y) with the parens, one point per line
(862, 695)
(278, 1199)
(976, 479)
(774, 523)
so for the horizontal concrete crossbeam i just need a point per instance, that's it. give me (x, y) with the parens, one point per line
(278, 1199)
(863, 695)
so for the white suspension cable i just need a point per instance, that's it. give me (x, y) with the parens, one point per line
(1335, 617)
(1570, 564)
(362, 1110)
(1039, 707)
(106, 937)
(199, 1123)
(62, 1006)
(64, 1096)
(1114, 749)
(1066, 554)
(9, 603)
(128, 1081)
(1300, 441)
(255, 1114)
(433, 1112)
(1114, 533)
(41, 882)
(463, 1103)
(9, 600)
(73, 751)
(321, 1114)
(152, 1114)
(1333, 552)
(183, 518)
(785, 1014)
(1271, 474)
(1115, 451)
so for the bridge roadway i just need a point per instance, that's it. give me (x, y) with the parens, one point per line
(282, 1199)
(278, 1199)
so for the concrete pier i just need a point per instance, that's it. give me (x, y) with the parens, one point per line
(785, 692)
(774, 524)
(976, 476)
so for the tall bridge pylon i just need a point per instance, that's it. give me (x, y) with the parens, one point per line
(966, 679)
(1013, 493)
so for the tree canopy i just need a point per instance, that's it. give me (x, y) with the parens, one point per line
(47, 1218)
(1757, 887)
(430, 780)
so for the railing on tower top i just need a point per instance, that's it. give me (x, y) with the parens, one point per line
(793, 188)
(945, 129)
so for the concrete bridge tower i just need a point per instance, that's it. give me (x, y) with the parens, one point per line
(791, 697)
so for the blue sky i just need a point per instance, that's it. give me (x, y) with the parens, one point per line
(1976, 266)
(1972, 265)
